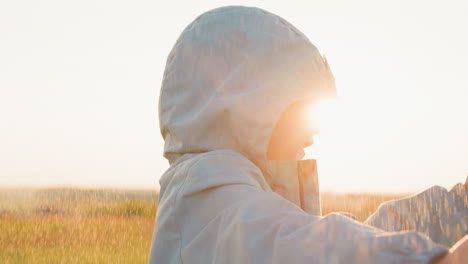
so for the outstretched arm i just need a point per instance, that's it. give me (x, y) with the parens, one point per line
(223, 211)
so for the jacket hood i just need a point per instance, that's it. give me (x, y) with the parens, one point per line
(228, 78)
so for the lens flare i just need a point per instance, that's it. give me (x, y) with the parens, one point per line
(322, 117)
(322, 114)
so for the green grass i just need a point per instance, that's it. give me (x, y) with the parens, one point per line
(103, 226)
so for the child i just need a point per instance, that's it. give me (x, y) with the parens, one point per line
(234, 95)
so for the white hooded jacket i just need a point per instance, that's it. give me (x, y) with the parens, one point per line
(230, 75)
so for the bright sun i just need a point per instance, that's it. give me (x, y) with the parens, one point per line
(325, 119)
(323, 114)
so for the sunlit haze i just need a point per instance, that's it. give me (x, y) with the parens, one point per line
(80, 80)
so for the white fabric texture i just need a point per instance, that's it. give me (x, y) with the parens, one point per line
(440, 214)
(230, 75)
(297, 182)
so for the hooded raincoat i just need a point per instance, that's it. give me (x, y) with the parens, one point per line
(230, 75)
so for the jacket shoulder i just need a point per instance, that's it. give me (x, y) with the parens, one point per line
(219, 168)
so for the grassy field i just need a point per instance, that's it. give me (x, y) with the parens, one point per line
(103, 226)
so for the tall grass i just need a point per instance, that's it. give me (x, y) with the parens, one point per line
(76, 225)
(361, 205)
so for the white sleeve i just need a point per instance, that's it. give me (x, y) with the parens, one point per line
(440, 214)
(231, 219)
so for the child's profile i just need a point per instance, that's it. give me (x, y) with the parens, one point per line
(234, 92)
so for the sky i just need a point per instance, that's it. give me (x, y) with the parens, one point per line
(80, 80)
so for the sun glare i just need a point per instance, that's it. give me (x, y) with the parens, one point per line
(322, 118)
(323, 114)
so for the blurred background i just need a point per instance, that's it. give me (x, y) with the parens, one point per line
(79, 87)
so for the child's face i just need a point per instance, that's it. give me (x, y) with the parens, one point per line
(293, 132)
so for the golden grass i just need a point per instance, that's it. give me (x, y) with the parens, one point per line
(103, 226)
(361, 205)
(75, 239)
